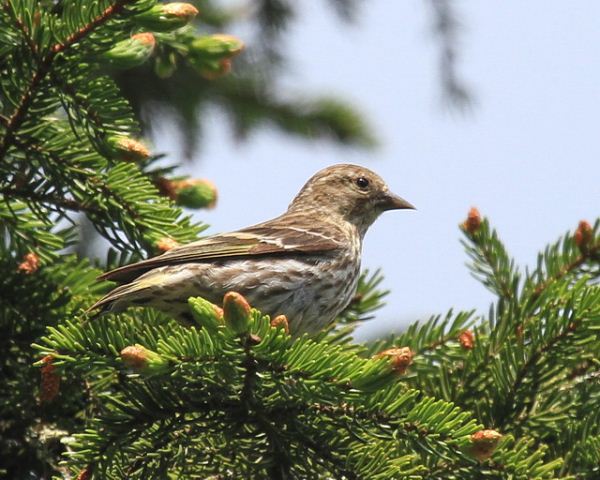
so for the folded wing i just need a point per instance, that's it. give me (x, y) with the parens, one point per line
(270, 238)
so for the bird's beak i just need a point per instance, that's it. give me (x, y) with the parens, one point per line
(392, 201)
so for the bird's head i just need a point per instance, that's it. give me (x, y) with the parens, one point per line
(354, 193)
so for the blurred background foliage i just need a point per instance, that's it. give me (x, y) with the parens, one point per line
(168, 89)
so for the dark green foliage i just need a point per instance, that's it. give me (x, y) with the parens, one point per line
(57, 109)
(248, 100)
(257, 409)
(143, 397)
(31, 433)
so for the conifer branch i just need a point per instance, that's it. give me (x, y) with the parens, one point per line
(58, 201)
(21, 28)
(589, 253)
(326, 458)
(527, 368)
(436, 344)
(488, 253)
(80, 34)
(44, 68)
(491, 262)
(250, 365)
(18, 115)
(281, 466)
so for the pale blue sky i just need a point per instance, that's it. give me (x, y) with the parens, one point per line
(528, 156)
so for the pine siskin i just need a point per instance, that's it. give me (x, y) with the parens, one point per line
(304, 264)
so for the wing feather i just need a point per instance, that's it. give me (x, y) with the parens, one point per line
(263, 239)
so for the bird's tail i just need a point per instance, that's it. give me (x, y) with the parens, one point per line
(118, 299)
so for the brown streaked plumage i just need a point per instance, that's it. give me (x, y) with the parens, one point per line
(304, 264)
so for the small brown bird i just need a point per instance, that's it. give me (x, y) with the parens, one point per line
(304, 264)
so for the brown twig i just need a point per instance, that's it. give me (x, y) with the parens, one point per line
(21, 27)
(114, 9)
(62, 202)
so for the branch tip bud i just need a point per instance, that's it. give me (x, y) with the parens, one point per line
(211, 55)
(400, 358)
(196, 193)
(131, 52)
(483, 444)
(206, 314)
(30, 264)
(189, 192)
(219, 45)
(583, 235)
(473, 221)
(167, 17)
(236, 312)
(165, 244)
(127, 149)
(466, 339)
(281, 321)
(145, 38)
(142, 360)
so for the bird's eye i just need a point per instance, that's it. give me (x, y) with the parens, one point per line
(362, 183)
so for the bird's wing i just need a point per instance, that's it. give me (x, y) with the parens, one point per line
(263, 239)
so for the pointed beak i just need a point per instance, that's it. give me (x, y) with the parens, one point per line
(392, 201)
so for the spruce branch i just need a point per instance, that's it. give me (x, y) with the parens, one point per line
(568, 333)
(278, 369)
(26, 232)
(44, 67)
(250, 366)
(590, 253)
(490, 261)
(53, 200)
(114, 197)
(9, 8)
(446, 28)
(526, 369)
(108, 13)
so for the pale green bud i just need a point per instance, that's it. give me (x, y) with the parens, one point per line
(127, 149)
(166, 17)
(131, 52)
(236, 312)
(144, 361)
(189, 192)
(196, 193)
(216, 47)
(205, 313)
